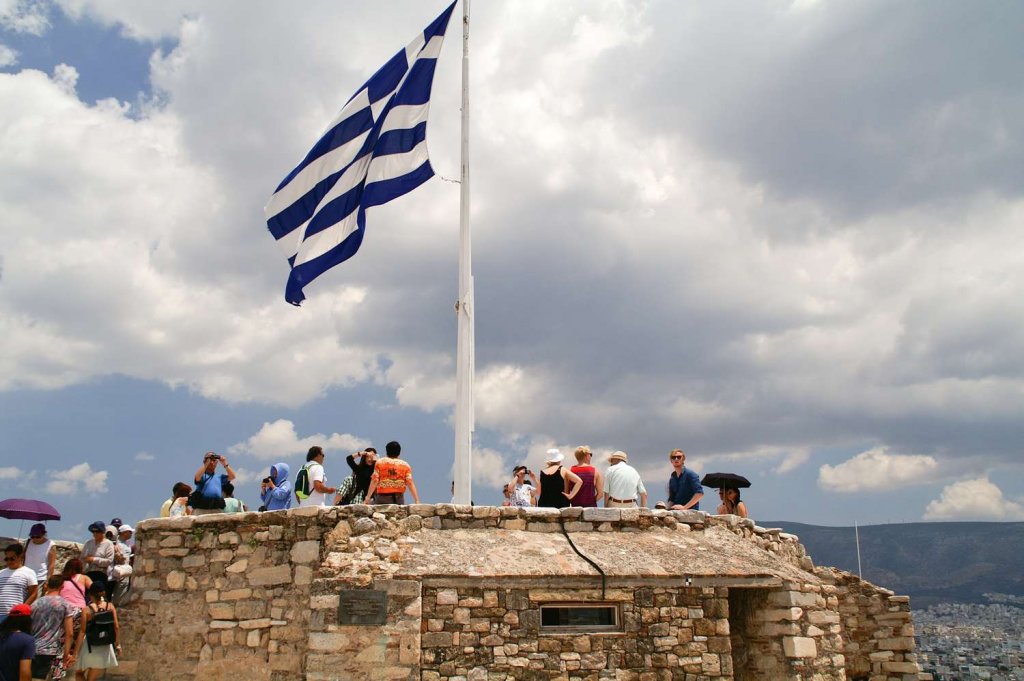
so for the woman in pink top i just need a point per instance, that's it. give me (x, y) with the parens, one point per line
(76, 585)
(591, 477)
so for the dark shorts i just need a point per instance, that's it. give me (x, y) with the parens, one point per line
(379, 499)
(41, 665)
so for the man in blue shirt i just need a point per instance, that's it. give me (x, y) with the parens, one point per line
(209, 497)
(684, 490)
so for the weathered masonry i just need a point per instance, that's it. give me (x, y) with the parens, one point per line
(460, 593)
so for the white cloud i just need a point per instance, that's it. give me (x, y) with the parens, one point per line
(144, 456)
(24, 16)
(794, 459)
(10, 473)
(77, 479)
(8, 56)
(279, 440)
(490, 468)
(878, 470)
(244, 477)
(976, 499)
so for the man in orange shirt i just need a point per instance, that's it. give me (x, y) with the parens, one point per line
(391, 477)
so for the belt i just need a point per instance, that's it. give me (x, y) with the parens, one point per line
(621, 501)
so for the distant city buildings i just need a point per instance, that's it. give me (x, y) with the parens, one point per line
(969, 642)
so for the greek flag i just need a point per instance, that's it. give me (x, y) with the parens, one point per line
(375, 150)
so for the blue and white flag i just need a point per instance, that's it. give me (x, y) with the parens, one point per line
(375, 150)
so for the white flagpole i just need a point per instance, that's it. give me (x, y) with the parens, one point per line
(464, 419)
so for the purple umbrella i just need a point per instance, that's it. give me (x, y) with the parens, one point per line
(28, 509)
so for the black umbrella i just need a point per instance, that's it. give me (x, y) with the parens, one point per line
(725, 481)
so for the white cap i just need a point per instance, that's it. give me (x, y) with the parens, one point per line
(125, 528)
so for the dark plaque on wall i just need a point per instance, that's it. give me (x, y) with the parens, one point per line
(362, 606)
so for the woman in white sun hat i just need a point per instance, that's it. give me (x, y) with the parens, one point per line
(555, 479)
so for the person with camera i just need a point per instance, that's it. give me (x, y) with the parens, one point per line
(276, 489)
(523, 492)
(209, 494)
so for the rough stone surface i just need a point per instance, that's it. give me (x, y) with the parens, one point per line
(696, 597)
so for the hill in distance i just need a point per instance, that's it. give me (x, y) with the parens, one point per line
(930, 562)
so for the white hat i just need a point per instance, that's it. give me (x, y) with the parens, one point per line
(620, 455)
(125, 528)
(555, 456)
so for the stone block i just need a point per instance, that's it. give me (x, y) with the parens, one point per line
(422, 510)
(629, 515)
(269, 576)
(221, 611)
(327, 641)
(898, 643)
(175, 580)
(238, 566)
(193, 560)
(447, 597)
(303, 575)
(250, 610)
(689, 517)
(261, 623)
(235, 594)
(533, 513)
(777, 614)
(799, 646)
(596, 515)
(793, 598)
(901, 667)
(305, 552)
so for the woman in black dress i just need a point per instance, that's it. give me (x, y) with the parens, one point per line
(554, 478)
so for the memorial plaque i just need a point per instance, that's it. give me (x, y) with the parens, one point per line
(362, 607)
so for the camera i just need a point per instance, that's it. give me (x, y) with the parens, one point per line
(215, 456)
(266, 480)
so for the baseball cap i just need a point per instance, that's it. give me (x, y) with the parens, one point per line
(20, 609)
(97, 526)
(38, 530)
(116, 522)
(125, 528)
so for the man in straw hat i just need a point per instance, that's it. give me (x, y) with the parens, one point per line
(622, 483)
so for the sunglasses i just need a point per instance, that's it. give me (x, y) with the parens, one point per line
(676, 458)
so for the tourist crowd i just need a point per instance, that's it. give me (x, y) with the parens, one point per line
(57, 625)
(372, 480)
(387, 480)
(620, 486)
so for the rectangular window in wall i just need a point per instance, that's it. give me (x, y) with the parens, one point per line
(583, 616)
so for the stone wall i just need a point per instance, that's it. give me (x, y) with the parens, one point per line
(878, 629)
(495, 633)
(256, 596)
(790, 632)
(222, 596)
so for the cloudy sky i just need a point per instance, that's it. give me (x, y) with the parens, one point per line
(787, 237)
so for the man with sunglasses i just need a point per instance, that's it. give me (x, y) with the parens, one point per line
(684, 490)
(17, 582)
